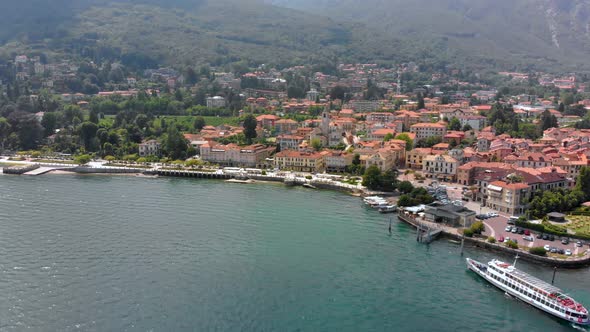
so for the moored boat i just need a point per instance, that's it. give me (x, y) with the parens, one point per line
(531, 290)
(387, 209)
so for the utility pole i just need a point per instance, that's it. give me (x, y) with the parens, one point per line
(554, 271)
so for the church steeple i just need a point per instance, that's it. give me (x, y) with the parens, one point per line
(326, 120)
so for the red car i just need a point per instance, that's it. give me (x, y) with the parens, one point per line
(527, 232)
(501, 239)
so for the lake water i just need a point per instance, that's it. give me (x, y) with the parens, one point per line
(100, 253)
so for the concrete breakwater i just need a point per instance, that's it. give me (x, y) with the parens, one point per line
(17, 170)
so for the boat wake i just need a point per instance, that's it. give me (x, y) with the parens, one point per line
(580, 328)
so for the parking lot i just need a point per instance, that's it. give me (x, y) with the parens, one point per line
(496, 227)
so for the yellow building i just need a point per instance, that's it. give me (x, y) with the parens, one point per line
(300, 161)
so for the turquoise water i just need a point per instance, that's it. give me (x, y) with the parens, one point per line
(98, 253)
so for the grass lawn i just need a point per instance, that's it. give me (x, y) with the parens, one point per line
(50, 161)
(10, 164)
(187, 120)
(579, 224)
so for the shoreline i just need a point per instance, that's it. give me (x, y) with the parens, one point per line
(574, 263)
(476, 243)
(349, 191)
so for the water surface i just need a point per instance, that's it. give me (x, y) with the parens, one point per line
(99, 253)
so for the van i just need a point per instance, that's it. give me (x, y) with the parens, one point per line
(512, 220)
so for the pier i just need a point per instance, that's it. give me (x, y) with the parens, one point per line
(40, 170)
(427, 232)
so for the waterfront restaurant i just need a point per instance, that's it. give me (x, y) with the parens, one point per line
(452, 215)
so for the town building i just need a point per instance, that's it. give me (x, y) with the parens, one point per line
(452, 215)
(289, 142)
(216, 102)
(312, 95)
(442, 167)
(338, 161)
(509, 198)
(300, 161)
(149, 148)
(234, 155)
(415, 157)
(284, 126)
(426, 130)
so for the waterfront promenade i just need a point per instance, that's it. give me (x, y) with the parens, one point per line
(456, 233)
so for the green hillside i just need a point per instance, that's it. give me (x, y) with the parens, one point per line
(146, 32)
(499, 34)
(522, 33)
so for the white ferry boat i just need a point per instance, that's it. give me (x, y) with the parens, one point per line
(531, 290)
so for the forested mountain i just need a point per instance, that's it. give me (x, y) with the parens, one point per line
(501, 34)
(145, 32)
(535, 32)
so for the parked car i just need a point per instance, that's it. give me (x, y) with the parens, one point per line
(493, 214)
(508, 228)
(527, 232)
(547, 247)
(551, 238)
(507, 239)
(553, 250)
(545, 237)
(560, 251)
(565, 240)
(520, 231)
(514, 230)
(568, 252)
(528, 238)
(540, 236)
(579, 244)
(501, 239)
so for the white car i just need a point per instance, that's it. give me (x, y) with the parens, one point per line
(493, 214)
(547, 247)
(506, 239)
(568, 252)
(508, 228)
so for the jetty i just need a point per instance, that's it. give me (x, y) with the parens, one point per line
(40, 170)
(19, 170)
(426, 231)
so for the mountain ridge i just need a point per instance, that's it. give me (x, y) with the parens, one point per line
(541, 32)
(461, 33)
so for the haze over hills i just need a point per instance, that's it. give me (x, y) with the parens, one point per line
(191, 31)
(475, 33)
(536, 32)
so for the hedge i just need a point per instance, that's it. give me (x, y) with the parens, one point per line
(550, 229)
(539, 251)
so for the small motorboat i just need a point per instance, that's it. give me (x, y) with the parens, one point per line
(387, 209)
